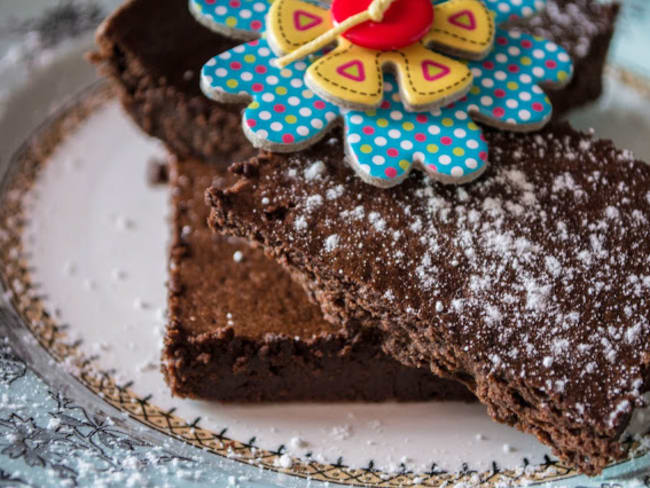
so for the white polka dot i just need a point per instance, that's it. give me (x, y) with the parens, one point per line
(208, 79)
(538, 53)
(302, 130)
(514, 34)
(477, 72)
(457, 171)
(406, 145)
(471, 163)
(504, 7)
(317, 123)
(365, 168)
(487, 82)
(305, 111)
(262, 134)
(433, 129)
(460, 115)
(296, 83)
(329, 116)
(418, 156)
(378, 160)
(444, 159)
(221, 72)
(211, 62)
(486, 101)
(246, 76)
(354, 138)
(524, 115)
(221, 10)
(259, 7)
(527, 11)
(380, 141)
(276, 126)
(239, 49)
(500, 75)
(265, 115)
(388, 87)
(524, 78)
(396, 115)
(537, 71)
(300, 66)
(394, 133)
(514, 51)
(512, 103)
(245, 14)
(356, 119)
(564, 57)
(525, 96)
(551, 47)
(264, 51)
(272, 80)
(268, 97)
(294, 101)
(460, 133)
(472, 144)
(537, 90)
(501, 58)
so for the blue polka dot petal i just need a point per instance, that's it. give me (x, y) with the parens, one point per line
(285, 115)
(238, 19)
(385, 144)
(505, 10)
(506, 92)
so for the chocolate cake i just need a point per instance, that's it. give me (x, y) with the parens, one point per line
(154, 51)
(529, 286)
(241, 330)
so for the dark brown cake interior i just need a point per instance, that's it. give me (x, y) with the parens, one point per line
(242, 330)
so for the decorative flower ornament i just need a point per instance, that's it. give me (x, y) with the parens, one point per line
(419, 114)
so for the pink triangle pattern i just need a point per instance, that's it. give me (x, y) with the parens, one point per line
(438, 71)
(303, 21)
(347, 70)
(464, 19)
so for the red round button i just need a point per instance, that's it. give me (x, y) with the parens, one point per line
(405, 22)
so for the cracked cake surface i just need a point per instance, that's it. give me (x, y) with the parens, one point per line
(530, 286)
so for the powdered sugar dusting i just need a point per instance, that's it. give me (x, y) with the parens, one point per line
(540, 269)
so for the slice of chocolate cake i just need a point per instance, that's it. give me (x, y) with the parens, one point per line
(155, 50)
(530, 285)
(242, 330)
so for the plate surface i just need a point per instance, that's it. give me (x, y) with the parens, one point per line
(83, 251)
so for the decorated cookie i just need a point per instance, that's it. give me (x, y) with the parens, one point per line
(422, 113)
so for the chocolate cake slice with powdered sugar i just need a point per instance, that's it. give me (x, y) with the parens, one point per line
(529, 286)
(154, 52)
(232, 337)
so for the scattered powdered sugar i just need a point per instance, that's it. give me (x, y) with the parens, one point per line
(314, 171)
(331, 243)
(284, 461)
(523, 264)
